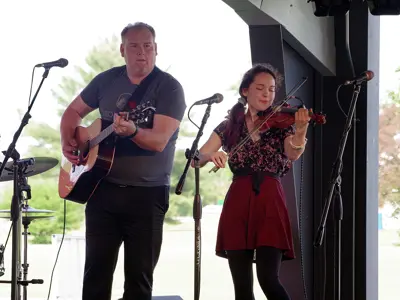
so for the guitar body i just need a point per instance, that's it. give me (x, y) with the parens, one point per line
(78, 183)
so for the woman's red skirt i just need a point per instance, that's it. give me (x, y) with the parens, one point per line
(249, 221)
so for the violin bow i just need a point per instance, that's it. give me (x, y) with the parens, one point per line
(274, 111)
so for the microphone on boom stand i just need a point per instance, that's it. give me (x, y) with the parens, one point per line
(62, 62)
(192, 154)
(20, 185)
(335, 184)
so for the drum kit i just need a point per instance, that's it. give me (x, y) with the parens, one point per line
(22, 215)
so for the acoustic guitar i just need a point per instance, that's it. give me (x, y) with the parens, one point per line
(96, 149)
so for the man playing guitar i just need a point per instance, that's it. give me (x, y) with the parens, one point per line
(130, 203)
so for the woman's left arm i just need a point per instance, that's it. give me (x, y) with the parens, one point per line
(295, 144)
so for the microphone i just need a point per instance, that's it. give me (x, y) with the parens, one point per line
(365, 76)
(62, 62)
(216, 98)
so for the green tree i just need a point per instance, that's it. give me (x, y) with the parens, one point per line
(100, 58)
(389, 151)
(47, 138)
(44, 186)
(213, 187)
(45, 197)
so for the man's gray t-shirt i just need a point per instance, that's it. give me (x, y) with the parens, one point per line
(110, 91)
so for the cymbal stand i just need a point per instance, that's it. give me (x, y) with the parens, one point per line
(26, 221)
(20, 186)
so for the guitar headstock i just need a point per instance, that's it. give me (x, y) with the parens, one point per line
(126, 115)
(141, 115)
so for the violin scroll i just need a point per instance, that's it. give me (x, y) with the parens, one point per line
(318, 119)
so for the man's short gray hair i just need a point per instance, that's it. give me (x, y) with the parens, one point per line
(138, 25)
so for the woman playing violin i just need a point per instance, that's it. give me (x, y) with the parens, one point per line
(254, 225)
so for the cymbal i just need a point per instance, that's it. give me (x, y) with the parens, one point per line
(40, 165)
(28, 214)
(28, 218)
(28, 210)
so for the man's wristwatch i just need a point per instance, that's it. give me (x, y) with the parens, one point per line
(133, 134)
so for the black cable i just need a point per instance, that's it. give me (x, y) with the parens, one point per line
(5, 245)
(30, 91)
(191, 119)
(337, 99)
(59, 249)
(3, 250)
(300, 227)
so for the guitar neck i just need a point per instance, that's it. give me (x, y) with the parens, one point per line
(101, 136)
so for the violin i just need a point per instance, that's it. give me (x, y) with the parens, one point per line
(280, 116)
(283, 117)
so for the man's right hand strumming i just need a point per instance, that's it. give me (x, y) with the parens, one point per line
(71, 118)
(69, 145)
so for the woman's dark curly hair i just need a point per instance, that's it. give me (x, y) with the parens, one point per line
(236, 115)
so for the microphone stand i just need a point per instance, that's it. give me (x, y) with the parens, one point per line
(19, 179)
(335, 190)
(193, 154)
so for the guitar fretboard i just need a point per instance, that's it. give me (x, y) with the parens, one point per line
(140, 116)
(101, 136)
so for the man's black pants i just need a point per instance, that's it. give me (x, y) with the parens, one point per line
(135, 216)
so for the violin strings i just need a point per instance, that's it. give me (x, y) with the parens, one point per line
(274, 110)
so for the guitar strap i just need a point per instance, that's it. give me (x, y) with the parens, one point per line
(136, 97)
(140, 91)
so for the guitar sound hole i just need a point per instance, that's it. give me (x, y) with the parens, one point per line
(85, 151)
